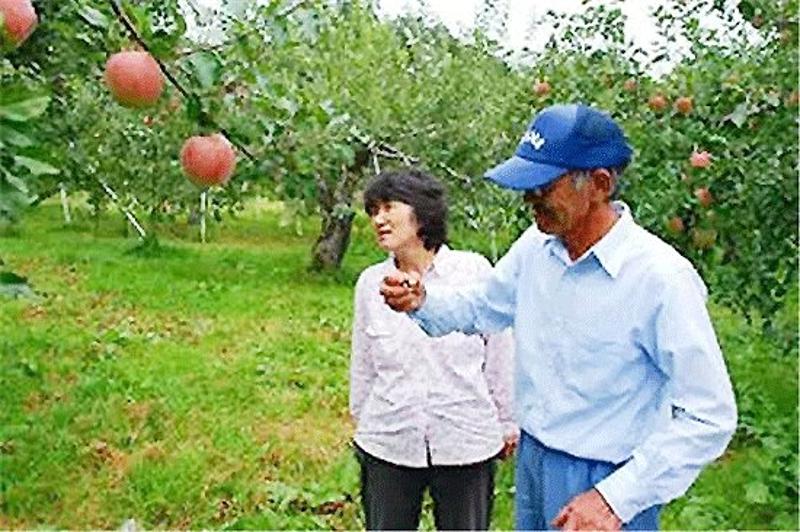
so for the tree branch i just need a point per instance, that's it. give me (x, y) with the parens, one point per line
(123, 18)
(381, 148)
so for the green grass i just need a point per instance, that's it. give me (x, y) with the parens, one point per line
(205, 386)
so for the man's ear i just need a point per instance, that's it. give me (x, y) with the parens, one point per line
(603, 182)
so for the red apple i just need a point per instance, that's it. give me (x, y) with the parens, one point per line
(19, 20)
(684, 105)
(700, 159)
(134, 78)
(630, 85)
(675, 225)
(208, 160)
(541, 88)
(704, 196)
(657, 102)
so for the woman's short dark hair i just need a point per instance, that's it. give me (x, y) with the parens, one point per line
(419, 190)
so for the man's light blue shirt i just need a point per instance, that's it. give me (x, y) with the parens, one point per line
(617, 359)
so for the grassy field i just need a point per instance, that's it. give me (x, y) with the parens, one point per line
(205, 386)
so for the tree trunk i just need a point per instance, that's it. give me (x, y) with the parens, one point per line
(337, 215)
(332, 242)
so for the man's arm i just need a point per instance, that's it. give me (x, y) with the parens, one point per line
(703, 405)
(483, 307)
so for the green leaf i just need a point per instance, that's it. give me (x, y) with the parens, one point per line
(9, 135)
(12, 200)
(194, 109)
(140, 18)
(287, 105)
(747, 9)
(757, 492)
(94, 17)
(773, 99)
(36, 167)
(739, 115)
(206, 68)
(24, 110)
(18, 185)
(328, 106)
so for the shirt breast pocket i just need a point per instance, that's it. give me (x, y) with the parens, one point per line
(600, 362)
(385, 346)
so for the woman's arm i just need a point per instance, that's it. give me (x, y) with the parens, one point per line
(362, 370)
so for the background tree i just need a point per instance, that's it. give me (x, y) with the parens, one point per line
(318, 95)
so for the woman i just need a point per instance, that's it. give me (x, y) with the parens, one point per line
(430, 413)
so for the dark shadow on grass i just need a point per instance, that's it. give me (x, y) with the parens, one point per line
(10, 231)
(151, 248)
(74, 227)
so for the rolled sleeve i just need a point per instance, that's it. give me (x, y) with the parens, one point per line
(487, 306)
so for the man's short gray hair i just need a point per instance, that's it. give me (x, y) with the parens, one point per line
(580, 177)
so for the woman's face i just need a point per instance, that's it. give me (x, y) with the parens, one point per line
(395, 225)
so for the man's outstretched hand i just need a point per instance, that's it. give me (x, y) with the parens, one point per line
(403, 292)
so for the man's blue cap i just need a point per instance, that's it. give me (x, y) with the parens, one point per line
(563, 138)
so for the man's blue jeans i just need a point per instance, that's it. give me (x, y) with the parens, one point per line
(546, 480)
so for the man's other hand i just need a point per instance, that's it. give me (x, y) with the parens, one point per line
(587, 511)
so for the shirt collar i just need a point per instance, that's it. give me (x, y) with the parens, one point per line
(442, 261)
(442, 264)
(609, 250)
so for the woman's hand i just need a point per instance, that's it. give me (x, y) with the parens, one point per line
(510, 442)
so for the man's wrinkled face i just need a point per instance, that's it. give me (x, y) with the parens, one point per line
(561, 206)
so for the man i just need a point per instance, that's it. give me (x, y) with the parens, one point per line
(621, 389)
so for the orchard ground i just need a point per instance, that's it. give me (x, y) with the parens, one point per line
(205, 386)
